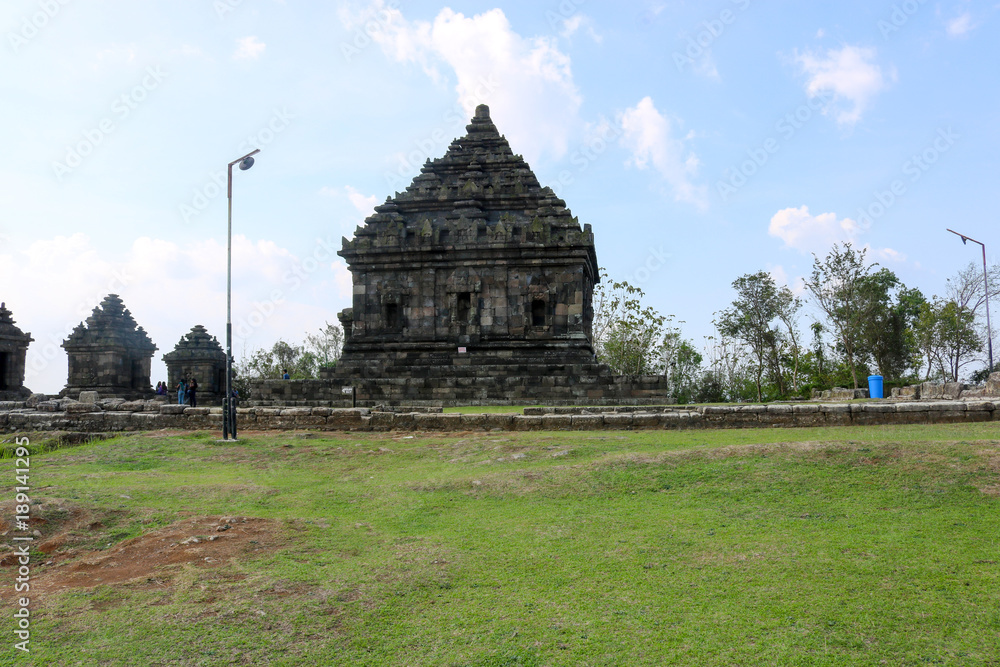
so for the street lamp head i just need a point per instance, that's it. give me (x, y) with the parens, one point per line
(247, 162)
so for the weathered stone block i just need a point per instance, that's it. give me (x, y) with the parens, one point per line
(473, 422)
(500, 421)
(310, 421)
(527, 423)
(88, 397)
(946, 406)
(878, 407)
(296, 412)
(587, 422)
(557, 422)
(352, 418)
(623, 421)
(80, 408)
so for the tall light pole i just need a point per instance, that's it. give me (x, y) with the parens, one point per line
(228, 406)
(986, 284)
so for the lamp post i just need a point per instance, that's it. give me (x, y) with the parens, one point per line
(986, 284)
(228, 406)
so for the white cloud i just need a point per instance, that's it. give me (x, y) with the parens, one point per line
(649, 136)
(780, 276)
(572, 25)
(249, 48)
(169, 288)
(527, 81)
(848, 75)
(801, 230)
(961, 25)
(365, 205)
(816, 234)
(890, 255)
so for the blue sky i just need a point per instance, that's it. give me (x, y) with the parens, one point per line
(702, 140)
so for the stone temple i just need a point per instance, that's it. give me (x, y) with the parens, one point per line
(13, 349)
(474, 286)
(109, 354)
(198, 355)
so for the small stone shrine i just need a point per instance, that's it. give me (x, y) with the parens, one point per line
(109, 354)
(475, 286)
(198, 355)
(13, 349)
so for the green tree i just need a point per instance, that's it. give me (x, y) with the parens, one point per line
(836, 286)
(628, 336)
(326, 345)
(887, 333)
(681, 364)
(761, 317)
(947, 336)
(728, 377)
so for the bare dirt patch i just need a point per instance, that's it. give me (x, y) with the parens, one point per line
(69, 561)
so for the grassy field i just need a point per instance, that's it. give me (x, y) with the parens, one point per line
(834, 546)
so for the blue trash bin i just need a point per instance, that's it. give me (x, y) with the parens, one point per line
(875, 386)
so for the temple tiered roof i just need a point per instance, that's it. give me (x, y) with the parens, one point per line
(8, 329)
(111, 323)
(478, 193)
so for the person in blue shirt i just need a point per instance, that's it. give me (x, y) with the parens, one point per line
(181, 392)
(286, 376)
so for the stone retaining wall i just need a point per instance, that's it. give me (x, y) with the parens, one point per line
(88, 418)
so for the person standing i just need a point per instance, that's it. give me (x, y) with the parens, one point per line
(285, 375)
(193, 393)
(181, 392)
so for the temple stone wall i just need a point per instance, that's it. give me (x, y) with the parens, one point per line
(482, 381)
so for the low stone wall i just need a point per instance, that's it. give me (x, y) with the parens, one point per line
(838, 394)
(139, 416)
(949, 391)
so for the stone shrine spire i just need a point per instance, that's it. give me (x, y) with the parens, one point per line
(109, 353)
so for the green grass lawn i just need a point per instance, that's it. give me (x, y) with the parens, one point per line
(833, 546)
